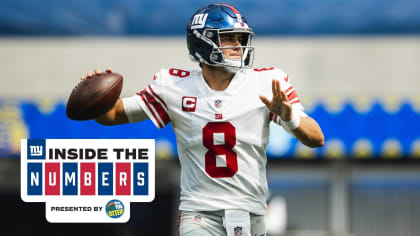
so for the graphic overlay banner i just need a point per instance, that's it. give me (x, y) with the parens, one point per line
(87, 180)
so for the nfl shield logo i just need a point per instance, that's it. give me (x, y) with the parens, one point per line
(218, 103)
(238, 231)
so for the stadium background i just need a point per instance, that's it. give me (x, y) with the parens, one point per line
(354, 64)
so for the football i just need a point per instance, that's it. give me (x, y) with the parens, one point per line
(94, 96)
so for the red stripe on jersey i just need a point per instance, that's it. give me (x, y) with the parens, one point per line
(179, 220)
(158, 107)
(288, 90)
(292, 95)
(275, 118)
(297, 101)
(153, 92)
(150, 109)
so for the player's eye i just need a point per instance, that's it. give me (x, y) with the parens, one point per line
(232, 39)
(244, 39)
(227, 39)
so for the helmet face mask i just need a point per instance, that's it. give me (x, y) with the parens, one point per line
(246, 51)
(204, 32)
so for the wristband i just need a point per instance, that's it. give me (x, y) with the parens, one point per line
(293, 123)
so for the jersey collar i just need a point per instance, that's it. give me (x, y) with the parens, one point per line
(232, 88)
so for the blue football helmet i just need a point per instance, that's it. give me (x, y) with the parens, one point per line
(203, 37)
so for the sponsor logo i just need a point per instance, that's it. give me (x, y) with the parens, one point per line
(114, 208)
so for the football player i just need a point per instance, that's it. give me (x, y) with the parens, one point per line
(221, 116)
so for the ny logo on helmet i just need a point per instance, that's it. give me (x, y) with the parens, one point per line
(199, 21)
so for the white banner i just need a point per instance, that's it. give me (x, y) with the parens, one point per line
(87, 180)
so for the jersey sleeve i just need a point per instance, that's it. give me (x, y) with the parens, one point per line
(133, 109)
(293, 97)
(152, 100)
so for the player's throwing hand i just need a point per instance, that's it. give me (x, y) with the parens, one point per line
(97, 72)
(280, 104)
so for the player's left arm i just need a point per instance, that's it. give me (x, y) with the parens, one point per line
(305, 129)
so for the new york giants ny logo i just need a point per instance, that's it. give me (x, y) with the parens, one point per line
(199, 21)
(36, 150)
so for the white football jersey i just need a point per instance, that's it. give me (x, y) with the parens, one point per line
(222, 136)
